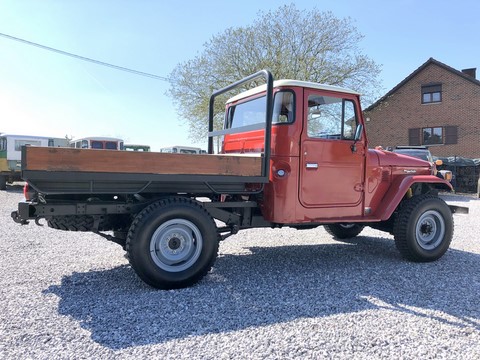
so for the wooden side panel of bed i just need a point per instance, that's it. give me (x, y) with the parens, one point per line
(111, 161)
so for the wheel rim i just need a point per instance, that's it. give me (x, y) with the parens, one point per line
(430, 230)
(176, 245)
(346, 225)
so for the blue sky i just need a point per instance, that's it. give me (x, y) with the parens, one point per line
(47, 94)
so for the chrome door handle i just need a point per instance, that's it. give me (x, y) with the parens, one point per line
(312, 166)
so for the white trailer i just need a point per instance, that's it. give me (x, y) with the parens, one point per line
(11, 154)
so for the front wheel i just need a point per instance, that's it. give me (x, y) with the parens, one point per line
(423, 228)
(172, 243)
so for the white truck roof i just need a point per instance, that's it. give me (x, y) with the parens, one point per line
(290, 83)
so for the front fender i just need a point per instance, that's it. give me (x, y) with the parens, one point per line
(399, 188)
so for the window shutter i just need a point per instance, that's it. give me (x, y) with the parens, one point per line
(414, 137)
(431, 88)
(451, 135)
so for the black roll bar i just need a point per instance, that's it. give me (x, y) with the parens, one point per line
(268, 116)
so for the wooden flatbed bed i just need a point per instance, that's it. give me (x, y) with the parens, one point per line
(81, 171)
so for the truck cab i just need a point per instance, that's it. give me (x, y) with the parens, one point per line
(321, 169)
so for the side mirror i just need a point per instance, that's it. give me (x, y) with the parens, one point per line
(358, 132)
(358, 136)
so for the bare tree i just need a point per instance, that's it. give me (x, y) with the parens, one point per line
(302, 45)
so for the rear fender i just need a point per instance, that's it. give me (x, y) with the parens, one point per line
(399, 188)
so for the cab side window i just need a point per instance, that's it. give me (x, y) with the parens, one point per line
(331, 118)
(252, 112)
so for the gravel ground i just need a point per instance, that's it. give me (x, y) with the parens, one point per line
(273, 294)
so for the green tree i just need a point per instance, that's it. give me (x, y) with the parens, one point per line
(293, 44)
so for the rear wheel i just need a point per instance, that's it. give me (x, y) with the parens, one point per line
(423, 228)
(172, 243)
(3, 182)
(344, 230)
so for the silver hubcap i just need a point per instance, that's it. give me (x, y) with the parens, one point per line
(430, 230)
(176, 245)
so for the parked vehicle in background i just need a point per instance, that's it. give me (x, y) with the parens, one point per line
(422, 152)
(182, 150)
(11, 155)
(96, 142)
(136, 147)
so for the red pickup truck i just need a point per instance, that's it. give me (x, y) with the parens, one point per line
(293, 154)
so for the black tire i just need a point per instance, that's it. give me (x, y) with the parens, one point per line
(344, 230)
(3, 182)
(76, 223)
(423, 228)
(172, 243)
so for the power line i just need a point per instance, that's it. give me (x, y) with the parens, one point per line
(85, 58)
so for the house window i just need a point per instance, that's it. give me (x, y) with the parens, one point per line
(431, 93)
(446, 135)
(433, 135)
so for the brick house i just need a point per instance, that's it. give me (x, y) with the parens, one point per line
(435, 105)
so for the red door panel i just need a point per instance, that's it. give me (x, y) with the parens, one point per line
(331, 175)
(331, 168)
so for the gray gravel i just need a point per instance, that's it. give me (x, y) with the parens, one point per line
(273, 294)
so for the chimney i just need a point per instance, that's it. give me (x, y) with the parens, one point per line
(472, 72)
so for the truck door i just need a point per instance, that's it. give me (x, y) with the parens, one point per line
(331, 163)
